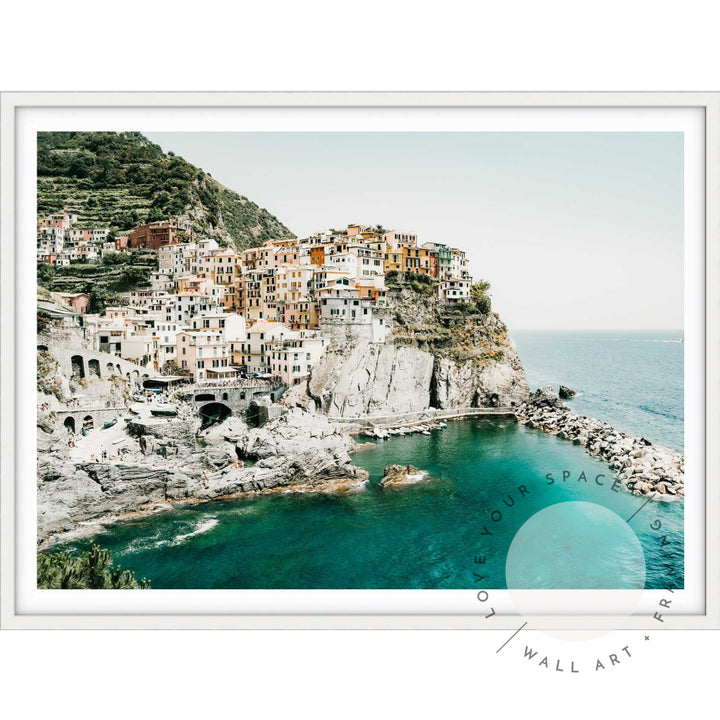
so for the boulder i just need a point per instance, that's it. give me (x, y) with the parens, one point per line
(544, 398)
(402, 475)
(565, 392)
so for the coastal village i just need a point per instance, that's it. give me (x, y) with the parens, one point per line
(214, 314)
(230, 373)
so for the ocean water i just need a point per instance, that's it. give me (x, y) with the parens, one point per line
(633, 380)
(543, 512)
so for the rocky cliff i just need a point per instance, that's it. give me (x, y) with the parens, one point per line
(435, 356)
(167, 461)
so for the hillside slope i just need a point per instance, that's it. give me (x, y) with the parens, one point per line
(121, 180)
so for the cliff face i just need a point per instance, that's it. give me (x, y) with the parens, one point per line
(358, 377)
(434, 357)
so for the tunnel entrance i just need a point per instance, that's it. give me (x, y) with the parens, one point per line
(213, 413)
(78, 366)
(70, 424)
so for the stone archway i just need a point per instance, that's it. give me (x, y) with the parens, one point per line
(110, 369)
(70, 424)
(214, 412)
(88, 423)
(42, 348)
(94, 368)
(78, 366)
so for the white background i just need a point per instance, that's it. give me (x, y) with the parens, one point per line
(362, 46)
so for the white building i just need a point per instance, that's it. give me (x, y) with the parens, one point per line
(453, 290)
(165, 334)
(182, 307)
(292, 359)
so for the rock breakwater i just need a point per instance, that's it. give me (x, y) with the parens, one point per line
(642, 467)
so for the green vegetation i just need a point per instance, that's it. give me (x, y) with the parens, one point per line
(115, 273)
(122, 180)
(480, 298)
(420, 283)
(93, 570)
(46, 371)
(170, 367)
(43, 320)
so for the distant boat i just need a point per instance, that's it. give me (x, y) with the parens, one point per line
(109, 424)
(164, 409)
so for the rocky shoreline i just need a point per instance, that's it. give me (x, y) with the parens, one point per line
(169, 461)
(642, 467)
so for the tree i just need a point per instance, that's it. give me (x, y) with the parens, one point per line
(155, 214)
(478, 293)
(45, 274)
(170, 367)
(479, 289)
(99, 299)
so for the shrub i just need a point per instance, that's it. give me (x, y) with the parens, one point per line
(93, 570)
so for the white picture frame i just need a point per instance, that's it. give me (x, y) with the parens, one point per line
(23, 113)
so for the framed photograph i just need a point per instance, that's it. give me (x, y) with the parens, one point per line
(360, 360)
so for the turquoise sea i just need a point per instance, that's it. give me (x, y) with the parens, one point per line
(490, 491)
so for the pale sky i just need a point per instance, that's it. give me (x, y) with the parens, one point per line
(574, 230)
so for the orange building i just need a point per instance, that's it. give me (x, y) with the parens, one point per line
(317, 255)
(434, 268)
(417, 260)
(121, 243)
(301, 315)
(371, 291)
(286, 256)
(394, 260)
(154, 235)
